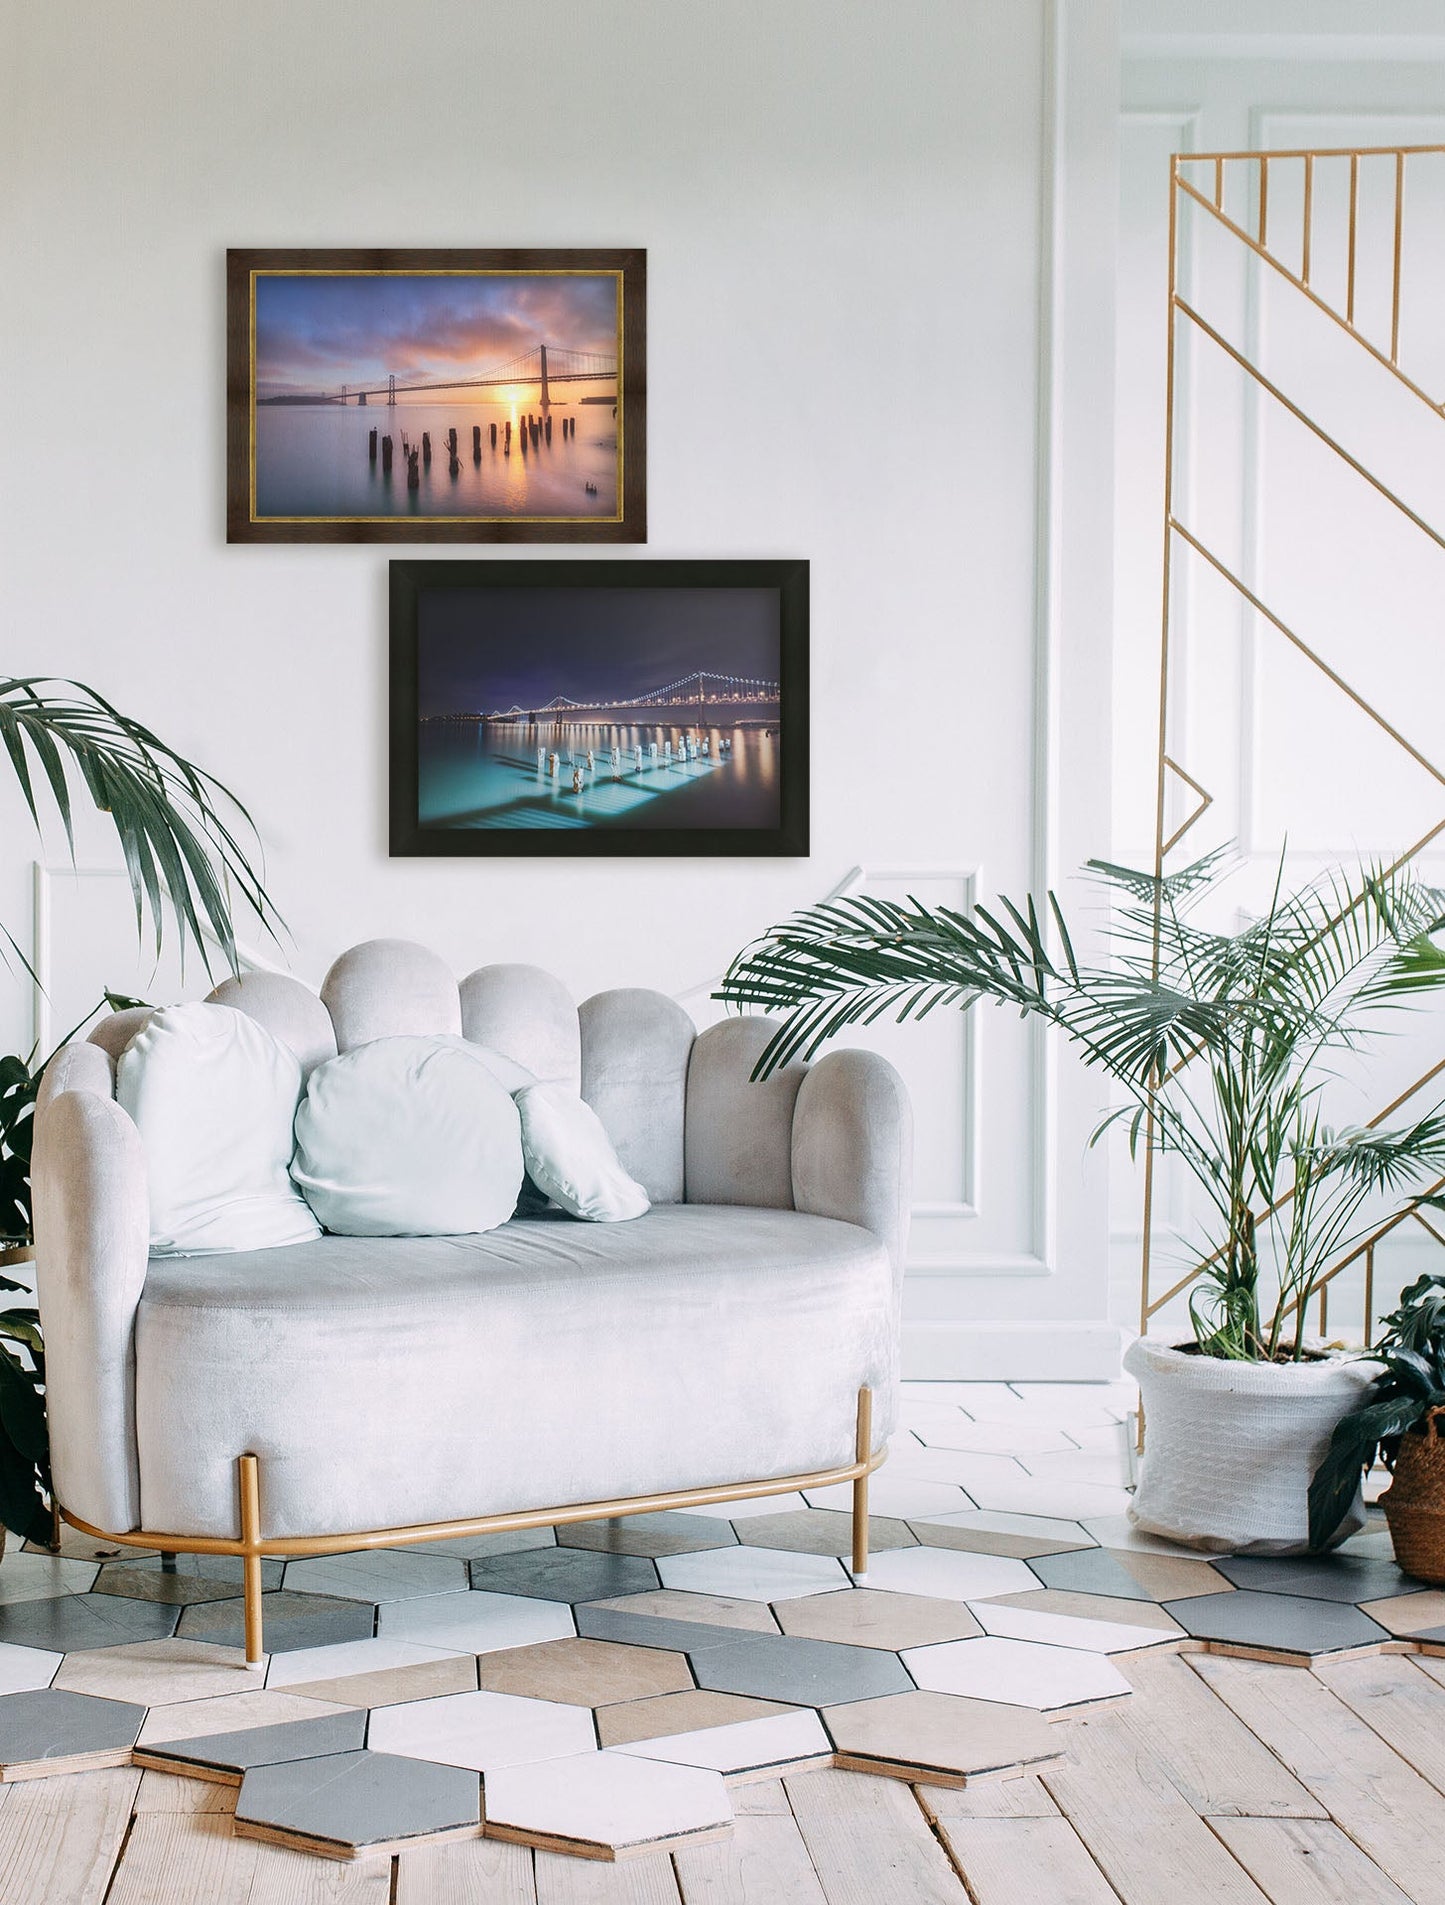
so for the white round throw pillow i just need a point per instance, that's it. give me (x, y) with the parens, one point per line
(213, 1094)
(408, 1137)
(570, 1157)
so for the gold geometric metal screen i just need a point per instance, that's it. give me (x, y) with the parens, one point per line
(1238, 196)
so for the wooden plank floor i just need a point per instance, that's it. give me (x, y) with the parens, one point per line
(1223, 1780)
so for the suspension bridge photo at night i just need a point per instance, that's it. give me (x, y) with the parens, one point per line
(550, 708)
(435, 399)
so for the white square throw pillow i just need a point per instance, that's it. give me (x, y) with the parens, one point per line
(213, 1095)
(570, 1157)
(410, 1137)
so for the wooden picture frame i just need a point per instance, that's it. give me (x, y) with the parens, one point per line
(540, 436)
(585, 708)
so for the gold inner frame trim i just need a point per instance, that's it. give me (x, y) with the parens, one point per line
(252, 1546)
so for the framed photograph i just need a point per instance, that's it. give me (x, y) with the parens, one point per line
(436, 396)
(567, 708)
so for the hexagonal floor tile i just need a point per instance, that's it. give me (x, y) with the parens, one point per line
(899, 1496)
(1036, 1617)
(1127, 1575)
(1415, 1613)
(211, 1570)
(389, 1574)
(754, 1574)
(674, 1713)
(477, 1547)
(940, 1738)
(1276, 1624)
(1016, 1673)
(476, 1621)
(873, 1617)
(1323, 1577)
(564, 1574)
(288, 1621)
(226, 1757)
(949, 1574)
(391, 1686)
(824, 1531)
(992, 1531)
(600, 1622)
(26, 1669)
(362, 1801)
(672, 1532)
(38, 1577)
(584, 1673)
(809, 1673)
(738, 1512)
(482, 1730)
(1063, 1499)
(228, 1713)
(748, 1749)
(171, 1590)
(49, 1732)
(994, 1438)
(71, 1623)
(379, 1655)
(607, 1805)
(158, 1672)
(713, 1610)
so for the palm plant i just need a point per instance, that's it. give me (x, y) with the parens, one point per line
(1220, 1044)
(183, 836)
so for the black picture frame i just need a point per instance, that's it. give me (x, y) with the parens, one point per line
(413, 582)
(621, 276)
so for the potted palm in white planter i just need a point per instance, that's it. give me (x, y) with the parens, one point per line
(1219, 1043)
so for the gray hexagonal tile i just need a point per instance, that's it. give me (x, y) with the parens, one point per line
(288, 1621)
(349, 1802)
(810, 1673)
(387, 1574)
(669, 1533)
(73, 1623)
(50, 1732)
(1276, 1623)
(564, 1574)
(227, 1756)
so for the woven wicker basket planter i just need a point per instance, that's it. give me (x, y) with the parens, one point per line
(1414, 1503)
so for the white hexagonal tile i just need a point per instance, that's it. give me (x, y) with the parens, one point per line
(995, 1438)
(482, 1730)
(1068, 1630)
(603, 1804)
(1061, 1500)
(1117, 1531)
(949, 1574)
(1016, 1673)
(387, 1575)
(760, 1746)
(26, 1669)
(752, 1505)
(476, 1622)
(753, 1574)
(899, 1495)
(351, 1657)
(999, 1522)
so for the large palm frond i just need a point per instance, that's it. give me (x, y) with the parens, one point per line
(185, 837)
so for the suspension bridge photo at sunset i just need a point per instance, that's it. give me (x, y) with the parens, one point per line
(550, 708)
(436, 396)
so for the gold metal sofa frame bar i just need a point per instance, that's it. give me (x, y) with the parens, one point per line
(253, 1545)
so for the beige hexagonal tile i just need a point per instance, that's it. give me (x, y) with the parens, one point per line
(607, 1805)
(871, 1617)
(159, 1672)
(584, 1673)
(1408, 1613)
(389, 1686)
(940, 1737)
(823, 1531)
(671, 1713)
(228, 1713)
(713, 1610)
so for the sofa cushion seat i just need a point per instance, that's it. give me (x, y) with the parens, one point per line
(391, 1381)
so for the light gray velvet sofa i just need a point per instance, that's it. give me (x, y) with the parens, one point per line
(360, 1392)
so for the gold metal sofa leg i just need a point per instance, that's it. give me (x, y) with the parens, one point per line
(249, 1478)
(864, 1449)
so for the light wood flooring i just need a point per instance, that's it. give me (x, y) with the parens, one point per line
(1223, 1780)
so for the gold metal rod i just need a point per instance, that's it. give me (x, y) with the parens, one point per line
(1161, 780)
(250, 1490)
(1315, 299)
(1263, 197)
(1308, 220)
(1305, 649)
(360, 1541)
(1424, 1225)
(1395, 278)
(1325, 1308)
(863, 1449)
(1219, 183)
(1308, 152)
(1206, 801)
(1369, 1295)
(1309, 423)
(1352, 243)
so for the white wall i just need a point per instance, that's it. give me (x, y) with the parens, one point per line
(1286, 757)
(880, 283)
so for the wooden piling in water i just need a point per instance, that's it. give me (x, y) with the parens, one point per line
(549, 429)
(476, 443)
(413, 473)
(494, 436)
(371, 446)
(386, 455)
(426, 446)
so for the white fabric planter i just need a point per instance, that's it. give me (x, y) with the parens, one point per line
(1230, 1447)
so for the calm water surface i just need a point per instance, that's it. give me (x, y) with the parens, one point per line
(474, 774)
(313, 460)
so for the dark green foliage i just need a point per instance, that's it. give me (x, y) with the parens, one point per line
(1219, 1042)
(1411, 1384)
